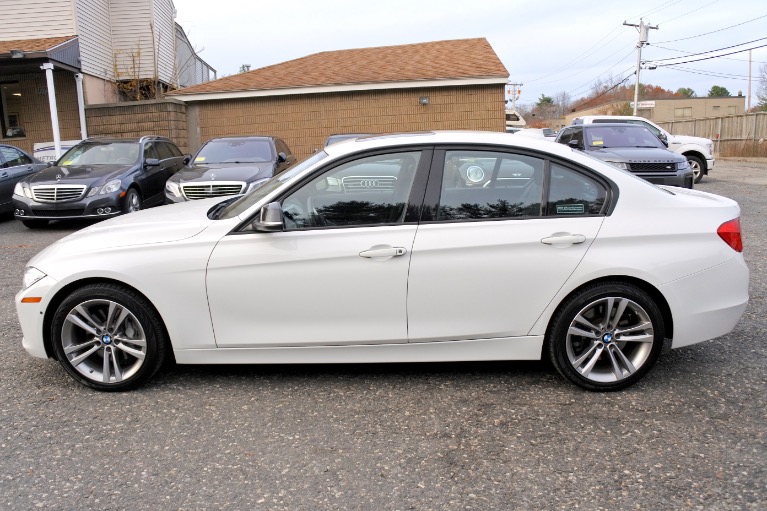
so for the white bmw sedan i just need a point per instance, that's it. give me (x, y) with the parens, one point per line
(444, 246)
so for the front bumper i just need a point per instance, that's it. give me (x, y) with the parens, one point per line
(32, 315)
(680, 180)
(98, 206)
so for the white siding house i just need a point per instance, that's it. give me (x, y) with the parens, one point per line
(95, 34)
(36, 19)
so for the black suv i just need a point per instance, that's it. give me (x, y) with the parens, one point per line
(630, 147)
(229, 166)
(99, 178)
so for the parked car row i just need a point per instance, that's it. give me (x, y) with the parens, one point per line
(105, 177)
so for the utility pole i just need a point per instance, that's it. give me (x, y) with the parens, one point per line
(643, 36)
(514, 90)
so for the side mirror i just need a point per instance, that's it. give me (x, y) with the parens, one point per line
(269, 219)
(664, 141)
(50, 164)
(574, 144)
(187, 159)
(282, 157)
(151, 162)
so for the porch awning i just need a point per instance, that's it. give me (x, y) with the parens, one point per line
(26, 55)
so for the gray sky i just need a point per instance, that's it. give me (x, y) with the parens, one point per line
(549, 45)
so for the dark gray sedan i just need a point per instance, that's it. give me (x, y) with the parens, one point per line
(15, 165)
(630, 147)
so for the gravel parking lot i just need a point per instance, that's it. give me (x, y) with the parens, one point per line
(691, 435)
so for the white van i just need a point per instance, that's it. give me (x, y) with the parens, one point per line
(698, 151)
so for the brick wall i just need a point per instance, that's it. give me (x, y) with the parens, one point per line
(33, 110)
(165, 117)
(305, 121)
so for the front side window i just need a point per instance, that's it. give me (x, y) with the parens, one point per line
(486, 185)
(370, 191)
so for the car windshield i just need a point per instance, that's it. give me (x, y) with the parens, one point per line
(100, 153)
(246, 201)
(236, 151)
(603, 137)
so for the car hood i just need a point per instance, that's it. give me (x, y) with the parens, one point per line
(224, 172)
(637, 155)
(78, 174)
(686, 139)
(158, 225)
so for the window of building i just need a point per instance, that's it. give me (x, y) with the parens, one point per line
(10, 105)
(716, 108)
(683, 112)
(731, 110)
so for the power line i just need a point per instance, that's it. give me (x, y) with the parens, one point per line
(605, 92)
(688, 12)
(718, 49)
(712, 32)
(656, 9)
(706, 73)
(687, 54)
(709, 58)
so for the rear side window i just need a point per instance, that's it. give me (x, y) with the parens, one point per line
(572, 193)
(486, 185)
(163, 150)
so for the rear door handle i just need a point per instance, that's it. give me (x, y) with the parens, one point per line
(383, 251)
(564, 239)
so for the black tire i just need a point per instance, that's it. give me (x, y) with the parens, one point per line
(614, 363)
(34, 224)
(101, 320)
(698, 167)
(132, 201)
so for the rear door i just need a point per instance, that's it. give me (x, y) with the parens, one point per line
(501, 233)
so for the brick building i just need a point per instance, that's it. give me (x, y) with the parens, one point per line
(457, 84)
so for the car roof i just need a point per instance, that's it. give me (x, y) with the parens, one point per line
(445, 138)
(243, 137)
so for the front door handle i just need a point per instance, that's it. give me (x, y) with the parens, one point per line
(563, 239)
(383, 251)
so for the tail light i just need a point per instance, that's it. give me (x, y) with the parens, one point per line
(730, 233)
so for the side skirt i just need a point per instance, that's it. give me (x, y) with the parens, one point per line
(506, 348)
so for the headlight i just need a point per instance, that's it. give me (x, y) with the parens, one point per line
(682, 165)
(22, 189)
(110, 187)
(173, 188)
(31, 275)
(256, 184)
(475, 173)
(619, 164)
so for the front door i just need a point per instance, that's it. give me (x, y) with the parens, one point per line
(336, 275)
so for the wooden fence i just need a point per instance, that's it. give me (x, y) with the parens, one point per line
(734, 135)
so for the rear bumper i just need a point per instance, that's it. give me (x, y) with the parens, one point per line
(708, 304)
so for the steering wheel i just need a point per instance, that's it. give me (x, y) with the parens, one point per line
(293, 214)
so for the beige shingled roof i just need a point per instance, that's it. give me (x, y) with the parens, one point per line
(31, 45)
(439, 60)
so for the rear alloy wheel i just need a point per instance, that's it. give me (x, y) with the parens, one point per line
(606, 337)
(108, 337)
(132, 201)
(697, 166)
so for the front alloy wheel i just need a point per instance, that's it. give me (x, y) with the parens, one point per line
(132, 201)
(606, 337)
(108, 337)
